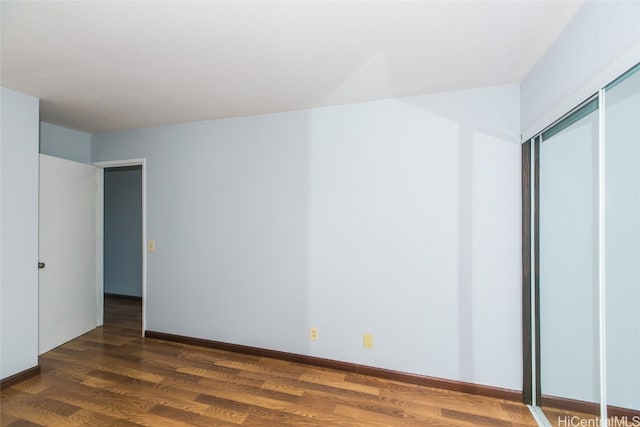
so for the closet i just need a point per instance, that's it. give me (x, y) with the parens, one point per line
(581, 259)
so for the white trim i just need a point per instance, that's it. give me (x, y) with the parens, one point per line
(120, 163)
(532, 284)
(539, 416)
(602, 252)
(99, 246)
(614, 70)
(137, 162)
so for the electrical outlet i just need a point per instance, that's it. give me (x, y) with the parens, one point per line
(367, 341)
(313, 333)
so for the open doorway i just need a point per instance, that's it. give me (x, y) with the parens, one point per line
(123, 232)
(123, 247)
(123, 288)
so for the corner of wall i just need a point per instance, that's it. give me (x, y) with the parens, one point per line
(66, 143)
(600, 43)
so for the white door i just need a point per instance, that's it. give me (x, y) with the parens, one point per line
(68, 229)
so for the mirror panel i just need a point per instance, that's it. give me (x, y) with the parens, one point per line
(622, 247)
(568, 255)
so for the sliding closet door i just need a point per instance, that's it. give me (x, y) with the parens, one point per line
(568, 255)
(622, 247)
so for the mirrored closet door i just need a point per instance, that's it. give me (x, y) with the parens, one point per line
(568, 261)
(581, 254)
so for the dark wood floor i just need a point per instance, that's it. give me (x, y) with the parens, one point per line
(113, 377)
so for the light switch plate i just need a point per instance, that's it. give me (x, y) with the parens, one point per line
(367, 341)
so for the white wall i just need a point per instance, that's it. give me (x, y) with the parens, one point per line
(18, 232)
(65, 143)
(398, 217)
(600, 43)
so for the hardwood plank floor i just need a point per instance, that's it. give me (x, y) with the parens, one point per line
(113, 377)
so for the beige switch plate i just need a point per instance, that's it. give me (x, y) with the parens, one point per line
(152, 245)
(367, 341)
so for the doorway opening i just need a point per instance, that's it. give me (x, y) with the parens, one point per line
(121, 296)
(122, 243)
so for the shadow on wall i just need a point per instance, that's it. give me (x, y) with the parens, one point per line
(413, 232)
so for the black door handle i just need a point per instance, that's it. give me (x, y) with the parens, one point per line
(41, 265)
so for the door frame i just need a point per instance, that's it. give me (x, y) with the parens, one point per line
(100, 235)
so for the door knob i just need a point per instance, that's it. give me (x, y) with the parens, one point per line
(41, 265)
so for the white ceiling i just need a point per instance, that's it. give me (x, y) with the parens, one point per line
(101, 66)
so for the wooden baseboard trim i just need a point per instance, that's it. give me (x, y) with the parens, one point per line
(120, 296)
(19, 377)
(587, 407)
(481, 390)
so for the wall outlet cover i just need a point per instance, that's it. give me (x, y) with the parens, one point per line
(314, 333)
